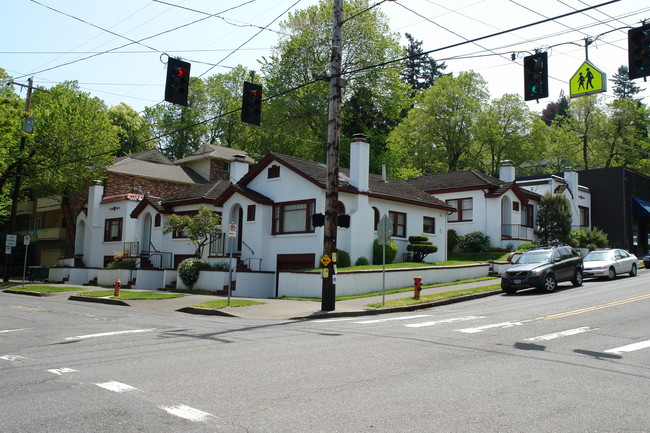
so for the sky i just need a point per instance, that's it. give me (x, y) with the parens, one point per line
(92, 42)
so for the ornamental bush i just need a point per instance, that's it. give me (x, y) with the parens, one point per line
(188, 270)
(391, 252)
(421, 247)
(343, 259)
(361, 261)
(474, 242)
(452, 240)
(589, 238)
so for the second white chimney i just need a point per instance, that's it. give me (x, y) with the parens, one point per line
(507, 171)
(359, 162)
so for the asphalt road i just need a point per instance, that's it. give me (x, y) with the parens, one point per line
(576, 360)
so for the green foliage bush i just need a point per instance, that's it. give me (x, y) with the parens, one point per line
(361, 261)
(391, 252)
(452, 239)
(588, 238)
(526, 246)
(343, 259)
(474, 242)
(421, 247)
(122, 264)
(188, 270)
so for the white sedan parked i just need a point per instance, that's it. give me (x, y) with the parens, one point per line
(609, 263)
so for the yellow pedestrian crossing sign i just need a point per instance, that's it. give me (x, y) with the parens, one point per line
(588, 79)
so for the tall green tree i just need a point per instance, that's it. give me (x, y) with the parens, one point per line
(624, 88)
(420, 70)
(134, 132)
(437, 133)
(11, 117)
(198, 227)
(553, 219)
(587, 121)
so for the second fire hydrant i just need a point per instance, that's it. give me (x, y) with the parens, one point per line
(116, 287)
(417, 287)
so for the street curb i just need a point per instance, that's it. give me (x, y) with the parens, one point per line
(26, 292)
(98, 300)
(204, 312)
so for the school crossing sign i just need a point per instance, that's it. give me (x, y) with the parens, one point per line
(587, 80)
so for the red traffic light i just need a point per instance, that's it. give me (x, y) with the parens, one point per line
(180, 72)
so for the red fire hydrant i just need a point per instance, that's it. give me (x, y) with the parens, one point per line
(417, 287)
(116, 287)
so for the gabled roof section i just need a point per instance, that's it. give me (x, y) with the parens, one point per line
(154, 202)
(455, 180)
(212, 151)
(207, 193)
(246, 192)
(154, 165)
(316, 173)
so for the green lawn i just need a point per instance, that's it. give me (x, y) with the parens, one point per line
(45, 289)
(223, 303)
(435, 297)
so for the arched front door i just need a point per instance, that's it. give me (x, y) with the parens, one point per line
(145, 239)
(506, 218)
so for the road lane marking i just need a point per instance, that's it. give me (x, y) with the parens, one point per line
(13, 330)
(344, 319)
(187, 412)
(437, 322)
(61, 371)
(502, 325)
(418, 316)
(108, 334)
(629, 347)
(594, 308)
(561, 334)
(117, 386)
(12, 357)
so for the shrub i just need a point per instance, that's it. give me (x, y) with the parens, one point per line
(343, 259)
(526, 246)
(361, 261)
(452, 239)
(421, 247)
(588, 238)
(222, 266)
(391, 252)
(122, 264)
(474, 242)
(188, 270)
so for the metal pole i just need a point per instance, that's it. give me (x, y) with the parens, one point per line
(333, 138)
(25, 263)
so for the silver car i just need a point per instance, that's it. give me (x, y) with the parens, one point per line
(610, 263)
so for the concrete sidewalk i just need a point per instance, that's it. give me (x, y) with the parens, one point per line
(281, 309)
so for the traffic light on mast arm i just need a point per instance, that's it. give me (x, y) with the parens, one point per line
(638, 52)
(535, 76)
(251, 105)
(178, 81)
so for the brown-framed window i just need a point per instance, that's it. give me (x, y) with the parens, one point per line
(584, 216)
(399, 223)
(113, 230)
(157, 220)
(273, 172)
(464, 210)
(429, 225)
(527, 215)
(250, 212)
(293, 217)
(515, 206)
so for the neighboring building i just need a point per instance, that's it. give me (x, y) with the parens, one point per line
(621, 206)
(498, 208)
(579, 196)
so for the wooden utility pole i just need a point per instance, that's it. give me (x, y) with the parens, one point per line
(333, 139)
(11, 228)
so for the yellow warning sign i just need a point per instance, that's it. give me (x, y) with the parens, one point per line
(588, 79)
(325, 260)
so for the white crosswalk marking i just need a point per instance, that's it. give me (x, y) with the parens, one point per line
(390, 319)
(484, 327)
(61, 371)
(108, 334)
(187, 412)
(437, 322)
(561, 334)
(116, 386)
(629, 347)
(13, 330)
(12, 357)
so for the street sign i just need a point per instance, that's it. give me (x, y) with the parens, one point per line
(325, 260)
(232, 230)
(587, 80)
(384, 230)
(26, 240)
(11, 240)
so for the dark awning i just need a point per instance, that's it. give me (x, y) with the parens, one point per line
(640, 207)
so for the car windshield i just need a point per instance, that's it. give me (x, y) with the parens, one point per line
(534, 257)
(595, 256)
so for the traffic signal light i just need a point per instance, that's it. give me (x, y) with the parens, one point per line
(178, 81)
(638, 41)
(251, 105)
(535, 77)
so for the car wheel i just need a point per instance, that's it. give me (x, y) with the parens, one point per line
(611, 273)
(577, 280)
(509, 290)
(550, 283)
(633, 270)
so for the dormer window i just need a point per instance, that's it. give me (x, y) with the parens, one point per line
(274, 172)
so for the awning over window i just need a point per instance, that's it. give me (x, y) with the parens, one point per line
(640, 207)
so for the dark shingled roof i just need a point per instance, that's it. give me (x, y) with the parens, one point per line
(208, 192)
(455, 180)
(391, 189)
(154, 165)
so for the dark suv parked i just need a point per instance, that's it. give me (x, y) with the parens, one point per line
(543, 267)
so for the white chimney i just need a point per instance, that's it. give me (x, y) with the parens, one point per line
(571, 179)
(238, 168)
(95, 193)
(383, 172)
(507, 171)
(359, 162)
